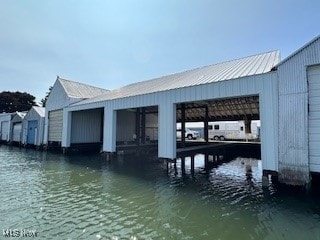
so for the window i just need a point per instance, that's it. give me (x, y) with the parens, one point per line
(241, 128)
(216, 127)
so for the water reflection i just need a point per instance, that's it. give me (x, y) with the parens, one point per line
(88, 197)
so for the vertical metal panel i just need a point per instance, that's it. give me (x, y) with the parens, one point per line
(264, 85)
(167, 130)
(86, 126)
(314, 117)
(40, 138)
(33, 115)
(293, 115)
(109, 128)
(57, 98)
(16, 132)
(5, 130)
(268, 103)
(55, 125)
(32, 132)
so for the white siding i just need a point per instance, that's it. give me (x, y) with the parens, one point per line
(5, 130)
(264, 85)
(86, 126)
(55, 125)
(167, 130)
(293, 114)
(314, 117)
(57, 98)
(16, 132)
(109, 129)
(33, 115)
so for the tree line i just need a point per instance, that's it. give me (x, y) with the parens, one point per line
(19, 101)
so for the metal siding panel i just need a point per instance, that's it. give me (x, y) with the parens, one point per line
(314, 114)
(55, 125)
(314, 167)
(167, 130)
(31, 131)
(16, 132)
(268, 115)
(244, 67)
(40, 139)
(86, 126)
(293, 114)
(57, 98)
(5, 130)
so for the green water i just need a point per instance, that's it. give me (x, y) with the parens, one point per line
(88, 197)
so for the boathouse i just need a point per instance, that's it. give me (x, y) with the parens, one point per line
(16, 128)
(283, 95)
(33, 126)
(5, 126)
(63, 94)
(241, 89)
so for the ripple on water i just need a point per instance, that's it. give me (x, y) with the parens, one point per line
(81, 198)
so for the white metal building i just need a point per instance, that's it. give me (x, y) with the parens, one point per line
(16, 127)
(64, 93)
(33, 126)
(250, 76)
(284, 95)
(299, 113)
(5, 126)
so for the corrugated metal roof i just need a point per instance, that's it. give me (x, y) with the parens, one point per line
(80, 90)
(40, 110)
(252, 65)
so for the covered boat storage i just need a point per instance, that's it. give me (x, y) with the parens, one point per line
(16, 128)
(65, 92)
(283, 95)
(233, 90)
(33, 127)
(5, 126)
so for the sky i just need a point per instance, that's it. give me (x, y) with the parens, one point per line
(112, 43)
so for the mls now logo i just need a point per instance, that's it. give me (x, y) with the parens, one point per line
(19, 233)
(11, 232)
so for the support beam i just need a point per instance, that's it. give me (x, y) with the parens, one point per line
(143, 126)
(167, 131)
(206, 125)
(109, 129)
(183, 125)
(247, 125)
(192, 164)
(66, 129)
(138, 126)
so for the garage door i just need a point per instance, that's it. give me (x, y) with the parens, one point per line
(314, 117)
(32, 132)
(55, 125)
(5, 131)
(16, 133)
